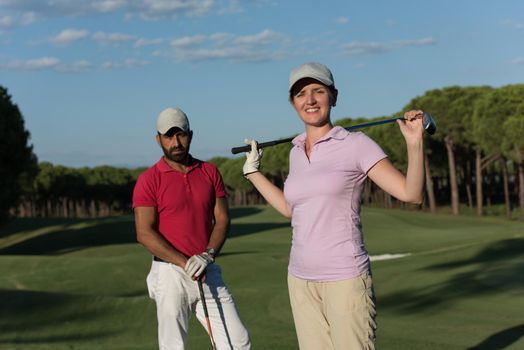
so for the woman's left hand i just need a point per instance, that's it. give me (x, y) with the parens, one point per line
(412, 127)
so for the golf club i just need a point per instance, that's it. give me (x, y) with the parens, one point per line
(427, 121)
(206, 314)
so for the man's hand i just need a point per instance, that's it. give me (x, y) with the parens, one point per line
(197, 264)
(252, 158)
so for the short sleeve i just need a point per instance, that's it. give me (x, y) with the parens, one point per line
(371, 155)
(144, 191)
(216, 179)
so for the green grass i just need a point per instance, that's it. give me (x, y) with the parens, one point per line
(80, 284)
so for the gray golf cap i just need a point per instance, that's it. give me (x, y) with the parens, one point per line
(313, 70)
(172, 118)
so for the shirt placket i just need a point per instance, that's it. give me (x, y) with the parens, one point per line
(187, 185)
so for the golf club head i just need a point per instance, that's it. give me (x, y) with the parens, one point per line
(429, 124)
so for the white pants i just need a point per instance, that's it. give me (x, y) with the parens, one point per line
(177, 297)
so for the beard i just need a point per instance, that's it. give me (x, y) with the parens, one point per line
(180, 157)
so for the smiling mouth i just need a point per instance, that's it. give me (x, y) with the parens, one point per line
(311, 110)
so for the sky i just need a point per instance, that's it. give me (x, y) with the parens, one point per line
(90, 77)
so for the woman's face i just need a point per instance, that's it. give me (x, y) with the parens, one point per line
(312, 101)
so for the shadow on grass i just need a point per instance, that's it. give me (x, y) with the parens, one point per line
(68, 238)
(238, 253)
(497, 268)
(26, 315)
(501, 340)
(247, 229)
(27, 224)
(240, 212)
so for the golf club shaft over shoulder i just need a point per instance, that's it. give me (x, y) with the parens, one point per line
(247, 148)
(380, 122)
(428, 122)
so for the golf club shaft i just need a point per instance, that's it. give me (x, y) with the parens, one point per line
(247, 148)
(429, 126)
(206, 314)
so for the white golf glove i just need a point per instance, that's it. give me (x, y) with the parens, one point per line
(196, 264)
(252, 158)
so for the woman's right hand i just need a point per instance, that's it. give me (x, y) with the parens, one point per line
(252, 163)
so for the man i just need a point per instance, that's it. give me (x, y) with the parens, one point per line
(182, 217)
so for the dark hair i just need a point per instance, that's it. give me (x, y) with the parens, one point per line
(332, 89)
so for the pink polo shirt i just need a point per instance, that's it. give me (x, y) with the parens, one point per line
(324, 193)
(185, 202)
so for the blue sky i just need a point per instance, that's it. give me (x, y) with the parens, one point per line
(90, 77)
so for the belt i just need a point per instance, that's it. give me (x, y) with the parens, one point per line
(156, 258)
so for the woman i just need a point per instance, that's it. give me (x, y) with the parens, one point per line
(329, 277)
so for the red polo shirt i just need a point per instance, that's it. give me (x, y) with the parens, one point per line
(184, 202)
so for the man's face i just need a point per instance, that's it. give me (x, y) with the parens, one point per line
(175, 144)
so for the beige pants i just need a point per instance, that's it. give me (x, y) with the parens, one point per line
(336, 315)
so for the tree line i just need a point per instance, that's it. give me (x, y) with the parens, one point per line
(475, 159)
(59, 191)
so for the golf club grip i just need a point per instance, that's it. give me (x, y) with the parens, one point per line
(247, 148)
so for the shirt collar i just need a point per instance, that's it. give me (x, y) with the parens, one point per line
(164, 167)
(336, 133)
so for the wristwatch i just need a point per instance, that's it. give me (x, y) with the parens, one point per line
(212, 252)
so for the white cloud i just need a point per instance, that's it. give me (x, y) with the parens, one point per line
(128, 63)
(148, 42)
(109, 5)
(132, 63)
(221, 38)
(233, 6)
(358, 48)
(147, 9)
(229, 53)
(342, 20)
(262, 38)
(415, 42)
(9, 21)
(42, 63)
(55, 64)
(373, 48)
(28, 18)
(187, 41)
(519, 60)
(391, 23)
(263, 46)
(69, 35)
(33, 64)
(48, 63)
(112, 38)
(5, 22)
(157, 9)
(78, 66)
(513, 24)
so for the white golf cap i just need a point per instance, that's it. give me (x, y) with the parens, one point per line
(172, 118)
(313, 70)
